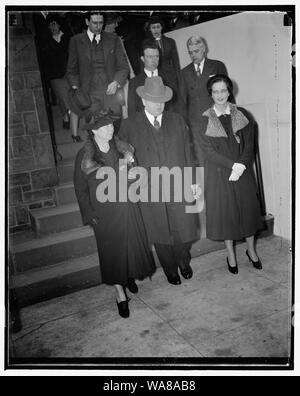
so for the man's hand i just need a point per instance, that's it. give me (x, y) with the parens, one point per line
(112, 88)
(196, 191)
(132, 174)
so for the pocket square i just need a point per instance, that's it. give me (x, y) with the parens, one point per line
(211, 75)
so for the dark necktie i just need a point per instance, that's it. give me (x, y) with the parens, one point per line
(94, 42)
(156, 123)
(198, 71)
(160, 46)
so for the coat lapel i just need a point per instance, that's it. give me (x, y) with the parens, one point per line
(208, 70)
(86, 46)
(106, 42)
(147, 138)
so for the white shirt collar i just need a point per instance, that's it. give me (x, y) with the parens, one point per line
(151, 117)
(149, 73)
(201, 65)
(218, 113)
(91, 36)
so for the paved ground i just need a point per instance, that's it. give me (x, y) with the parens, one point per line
(214, 314)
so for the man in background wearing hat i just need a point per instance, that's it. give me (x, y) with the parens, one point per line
(169, 65)
(97, 64)
(161, 139)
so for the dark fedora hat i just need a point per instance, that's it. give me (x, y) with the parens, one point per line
(154, 90)
(79, 101)
(100, 119)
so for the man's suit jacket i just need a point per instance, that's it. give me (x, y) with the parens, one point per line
(169, 64)
(196, 97)
(79, 69)
(134, 100)
(194, 90)
(160, 217)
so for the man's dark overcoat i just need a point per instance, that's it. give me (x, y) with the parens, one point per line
(160, 218)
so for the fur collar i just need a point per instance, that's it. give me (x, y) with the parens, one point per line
(215, 127)
(92, 158)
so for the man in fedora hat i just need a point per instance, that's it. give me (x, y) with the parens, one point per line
(160, 139)
(97, 64)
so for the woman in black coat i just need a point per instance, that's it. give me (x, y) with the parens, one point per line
(227, 140)
(169, 65)
(123, 249)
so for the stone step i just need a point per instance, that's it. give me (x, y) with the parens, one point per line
(52, 249)
(50, 220)
(65, 170)
(63, 263)
(65, 193)
(56, 280)
(50, 281)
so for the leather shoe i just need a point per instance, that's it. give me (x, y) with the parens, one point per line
(132, 286)
(174, 279)
(256, 264)
(186, 272)
(76, 139)
(123, 308)
(66, 124)
(234, 270)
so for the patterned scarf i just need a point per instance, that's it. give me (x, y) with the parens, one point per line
(215, 127)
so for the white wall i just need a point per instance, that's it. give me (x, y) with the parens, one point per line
(256, 48)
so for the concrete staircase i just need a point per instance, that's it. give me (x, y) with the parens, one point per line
(59, 255)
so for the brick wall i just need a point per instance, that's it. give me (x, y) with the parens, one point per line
(32, 171)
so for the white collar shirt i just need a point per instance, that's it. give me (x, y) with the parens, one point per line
(149, 73)
(91, 36)
(151, 118)
(201, 65)
(218, 113)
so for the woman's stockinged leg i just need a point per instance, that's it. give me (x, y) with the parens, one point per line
(251, 248)
(121, 296)
(230, 252)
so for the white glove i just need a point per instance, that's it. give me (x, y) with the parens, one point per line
(234, 176)
(238, 168)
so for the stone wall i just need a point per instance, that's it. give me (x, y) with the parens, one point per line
(32, 170)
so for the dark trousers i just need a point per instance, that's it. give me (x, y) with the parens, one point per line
(173, 256)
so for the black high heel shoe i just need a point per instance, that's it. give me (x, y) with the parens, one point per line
(132, 286)
(256, 264)
(77, 139)
(123, 308)
(234, 270)
(66, 124)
